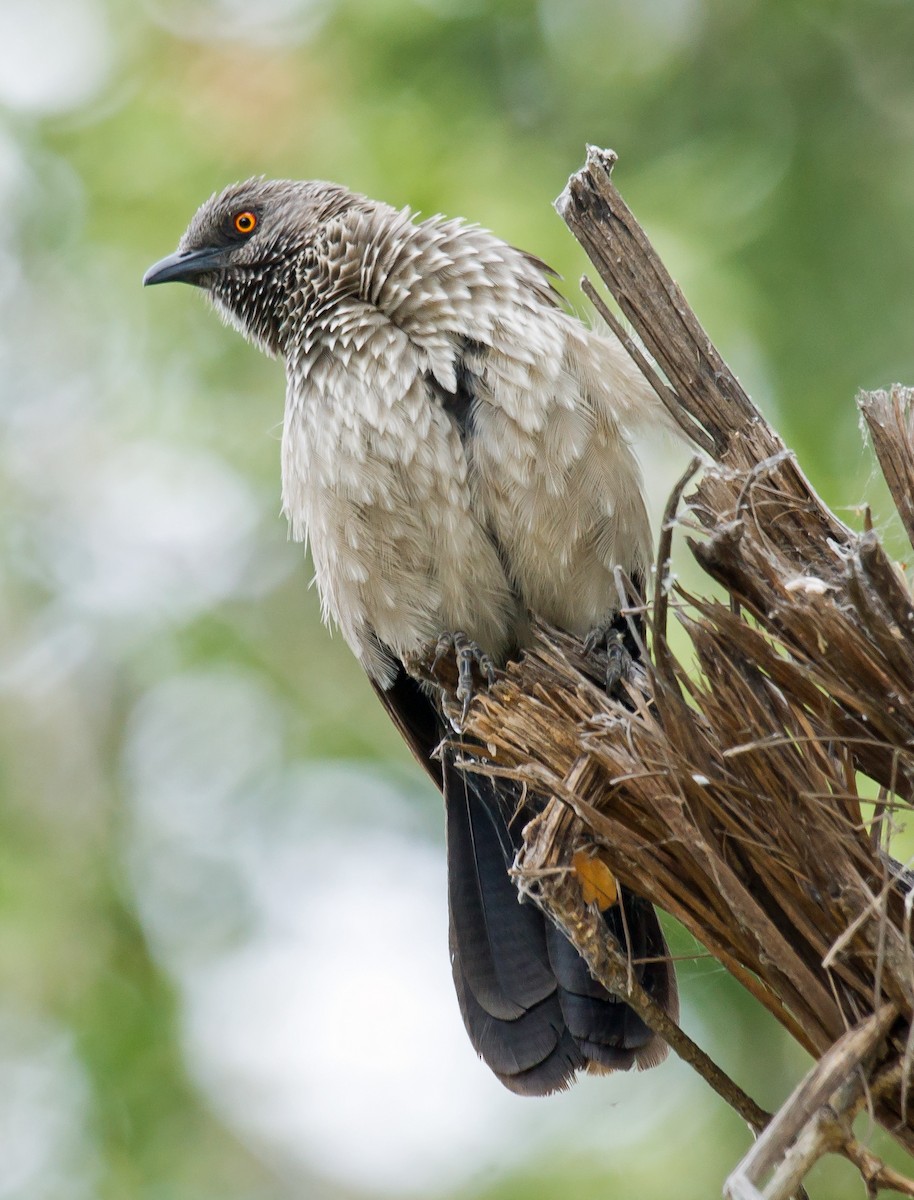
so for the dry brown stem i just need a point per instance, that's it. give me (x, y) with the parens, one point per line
(815, 1119)
(727, 794)
(559, 893)
(890, 418)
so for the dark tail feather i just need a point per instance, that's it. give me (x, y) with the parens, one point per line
(531, 1008)
(533, 1012)
(502, 944)
(505, 984)
(532, 1055)
(610, 1034)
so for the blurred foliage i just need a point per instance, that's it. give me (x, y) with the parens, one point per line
(166, 690)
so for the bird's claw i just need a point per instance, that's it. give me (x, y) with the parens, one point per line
(608, 639)
(469, 655)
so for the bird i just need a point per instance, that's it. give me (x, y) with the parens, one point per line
(457, 454)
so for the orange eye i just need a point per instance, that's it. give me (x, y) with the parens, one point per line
(245, 222)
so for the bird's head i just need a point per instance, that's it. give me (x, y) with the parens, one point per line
(248, 247)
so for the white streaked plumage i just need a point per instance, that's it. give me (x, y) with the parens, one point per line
(421, 520)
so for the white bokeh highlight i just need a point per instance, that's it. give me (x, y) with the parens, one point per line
(46, 1149)
(54, 54)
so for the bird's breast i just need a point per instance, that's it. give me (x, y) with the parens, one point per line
(375, 476)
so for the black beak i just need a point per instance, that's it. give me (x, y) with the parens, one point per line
(186, 266)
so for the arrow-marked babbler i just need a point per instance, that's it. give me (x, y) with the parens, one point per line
(455, 450)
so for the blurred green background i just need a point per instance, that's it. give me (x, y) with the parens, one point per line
(223, 963)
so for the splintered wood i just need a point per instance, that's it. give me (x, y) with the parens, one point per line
(727, 793)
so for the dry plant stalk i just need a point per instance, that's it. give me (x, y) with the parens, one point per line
(727, 795)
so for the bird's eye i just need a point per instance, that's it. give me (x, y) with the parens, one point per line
(245, 222)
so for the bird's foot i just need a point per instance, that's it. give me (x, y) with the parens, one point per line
(472, 663)
(608, 639)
